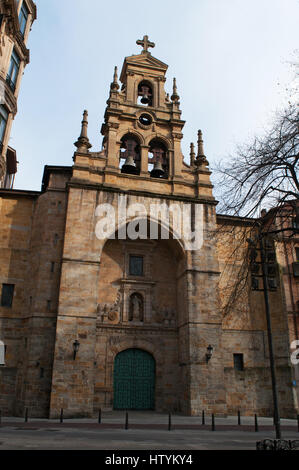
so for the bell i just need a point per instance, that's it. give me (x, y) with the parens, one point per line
(157, 171)
(145, 99)
(129, 166)
(145, 93)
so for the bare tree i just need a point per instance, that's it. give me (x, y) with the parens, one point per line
(263, 173)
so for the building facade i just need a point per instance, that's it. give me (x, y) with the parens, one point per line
(93, 316)
(16, 18)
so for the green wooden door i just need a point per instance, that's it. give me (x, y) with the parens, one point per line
(134, 380)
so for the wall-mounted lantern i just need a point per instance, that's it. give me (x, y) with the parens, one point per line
(76, 346)
(2, 353)
(209, 353)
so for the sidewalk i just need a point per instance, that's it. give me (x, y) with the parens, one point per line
(146, 430)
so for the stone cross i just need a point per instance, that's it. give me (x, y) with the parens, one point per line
(145, 43)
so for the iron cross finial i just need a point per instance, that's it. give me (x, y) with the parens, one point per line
(145, 43)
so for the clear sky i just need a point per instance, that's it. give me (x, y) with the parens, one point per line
(230, 58)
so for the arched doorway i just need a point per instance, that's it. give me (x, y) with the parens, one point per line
(134, 380)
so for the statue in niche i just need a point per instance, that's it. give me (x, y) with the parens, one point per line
(136, 307)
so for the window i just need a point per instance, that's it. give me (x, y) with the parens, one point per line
(255, 268)
(272, 284)
(296, 269)
(254, 283)
(3, 122)
(7, 295)
(271, 257)
(23, 17)
(145, 119)
(271, 270)
(295, 223)
(136, 265)
(13, 71)
(238, 362)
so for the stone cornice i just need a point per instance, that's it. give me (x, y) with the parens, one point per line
(131, 329)
(144, 61)
(10, 193)
(191, 271)
(103, 171)
(80, 261)
(132, 192)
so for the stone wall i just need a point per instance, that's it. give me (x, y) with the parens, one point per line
(16, 213)
(32, 233)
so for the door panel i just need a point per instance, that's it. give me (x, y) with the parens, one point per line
(134, 380)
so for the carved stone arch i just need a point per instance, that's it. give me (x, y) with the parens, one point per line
(167, 142)
(174, 237)
(135, 133)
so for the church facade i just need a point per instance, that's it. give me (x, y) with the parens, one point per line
(93, 316)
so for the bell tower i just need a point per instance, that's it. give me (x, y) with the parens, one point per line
(142, 128)
(142, 132)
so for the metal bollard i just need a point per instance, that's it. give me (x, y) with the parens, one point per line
(26, 415)
(213, 422)
(256, 426)
(100, 416)
(298, 422)
(169, 422)
(61, 415)
(239, 418)
(127, 421)
(203, 417)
